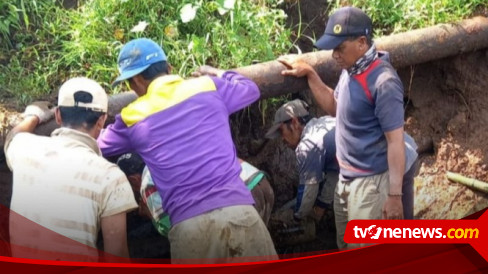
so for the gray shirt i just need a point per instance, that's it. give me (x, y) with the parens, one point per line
(315, 155)
(368, 105)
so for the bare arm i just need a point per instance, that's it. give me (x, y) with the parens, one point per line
(393, 208)
(114, 233)
(324, 95)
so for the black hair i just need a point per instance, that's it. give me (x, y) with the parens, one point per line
(77, 117)
(303, 120)
(131, 163)
(155, 70)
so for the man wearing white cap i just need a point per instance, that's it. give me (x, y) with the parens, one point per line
(63, 184)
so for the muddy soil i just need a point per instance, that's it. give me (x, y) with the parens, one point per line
(446, 107)
(448, 117)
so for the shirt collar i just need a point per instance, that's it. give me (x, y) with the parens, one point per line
(364, 61)
(79, 136)
(162, 81)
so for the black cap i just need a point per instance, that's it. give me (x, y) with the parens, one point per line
(131, 163)
(344, 23)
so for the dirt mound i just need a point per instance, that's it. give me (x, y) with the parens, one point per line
(448, 117)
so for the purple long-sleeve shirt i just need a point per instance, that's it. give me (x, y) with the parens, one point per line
(181, 130)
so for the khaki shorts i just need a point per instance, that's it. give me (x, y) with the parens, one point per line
(359, 199)
(225, 235)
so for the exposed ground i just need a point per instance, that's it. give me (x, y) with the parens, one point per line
(448, 117)
(446, 112)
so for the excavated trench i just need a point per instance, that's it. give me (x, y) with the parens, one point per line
(446, 112)
(446, 106)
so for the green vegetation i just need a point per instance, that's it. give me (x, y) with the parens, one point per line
(399, 16)
(43, 44)
(37, 54)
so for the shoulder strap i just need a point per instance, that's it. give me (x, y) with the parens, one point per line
(362, 79)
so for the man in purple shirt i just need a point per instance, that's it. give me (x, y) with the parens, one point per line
(181, 130)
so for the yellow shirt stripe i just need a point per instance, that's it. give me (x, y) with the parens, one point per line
(163, 93)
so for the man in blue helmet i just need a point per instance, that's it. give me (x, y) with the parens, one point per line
(181, 130)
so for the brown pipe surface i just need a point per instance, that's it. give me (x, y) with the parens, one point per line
(406, 49)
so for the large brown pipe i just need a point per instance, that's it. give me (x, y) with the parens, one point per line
(406, 49)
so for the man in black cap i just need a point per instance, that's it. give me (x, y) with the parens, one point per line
(368, 105)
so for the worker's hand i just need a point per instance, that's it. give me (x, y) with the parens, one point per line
(295, 66)
(40, 109)
(393, 208)
(208, 70)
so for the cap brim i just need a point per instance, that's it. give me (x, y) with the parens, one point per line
(129, 74)
(273, 132)
(329, 42)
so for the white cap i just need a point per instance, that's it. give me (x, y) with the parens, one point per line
(98, 101)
